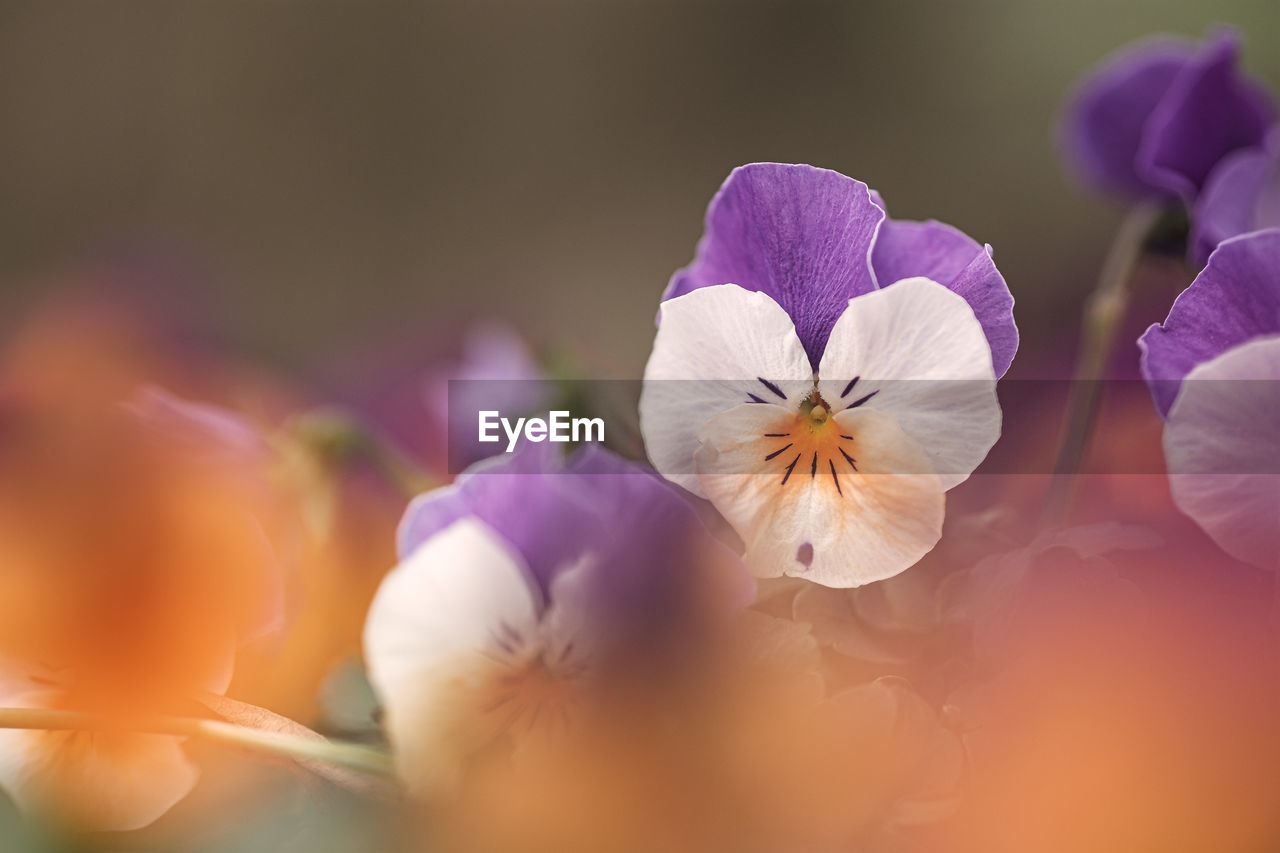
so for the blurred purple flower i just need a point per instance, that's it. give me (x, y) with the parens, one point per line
(1241, 195)
(495, 371)
(1156, 117)
(812, 239)
(522, 579)
(1214, 369)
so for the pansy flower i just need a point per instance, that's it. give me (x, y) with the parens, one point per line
(1214, 371)
(134, 561)
(516, 586)
(823, 374)
(1153, 120)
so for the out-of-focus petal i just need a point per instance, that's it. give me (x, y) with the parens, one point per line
(1229, 205)
(441, 621)
(1155, 118)
(1104, 123)
(1209, 111)
(102, 781)
(496, 371)
(716, 347)
(444, 600)
(1234, 299)
(1222, 447)
(520, 495)
(800, 234)
(202, 430)
(938, 252)
(815, 515)
(919, 350)
(555, 514)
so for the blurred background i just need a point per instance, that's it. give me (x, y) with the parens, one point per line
(334, 189)
(323, 175)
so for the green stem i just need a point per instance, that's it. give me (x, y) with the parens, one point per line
(1103, 316)
(349, 755)
(337, 437)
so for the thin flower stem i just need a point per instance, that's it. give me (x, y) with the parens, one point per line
(337, 437)
(1103, 316)
(349, 755)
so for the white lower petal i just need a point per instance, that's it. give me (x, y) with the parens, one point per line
(714, 347)
(918, 349)
(101, 781)
(443, 625)
(1222, 450)
(846, 506)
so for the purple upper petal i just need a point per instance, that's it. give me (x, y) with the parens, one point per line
(521, 495)
(937, 251)
(800, 234)
(1234, 299)
(810, 238)
(1209, 111)
(1155, 118)
(1241, 195)
(645, 538)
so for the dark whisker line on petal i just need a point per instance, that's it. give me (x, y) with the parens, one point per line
(754, 398)
(849, 387)
(813, 469)
(776, 452)
(849, 459)
(776, 434)
(858, 402)
(566, 651)
(493, 706)
(790, 467)
(774, 388)
(834, 478)
(849, 437)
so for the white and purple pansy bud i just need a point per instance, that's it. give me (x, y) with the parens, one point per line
(823, 374)
(518, 586)
(1214, 371)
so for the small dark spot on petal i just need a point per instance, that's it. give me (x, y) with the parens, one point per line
(804, 554)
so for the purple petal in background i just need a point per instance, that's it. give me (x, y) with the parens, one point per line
(1104, 122)
(946, 255)
(1209, 111)
(800, 234)
(496, 371)
(1234, 299)
(1155, 118)
(1241, 195)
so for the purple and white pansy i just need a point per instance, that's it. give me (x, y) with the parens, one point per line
(1214, 371)
(823, 374)
(516, 585)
